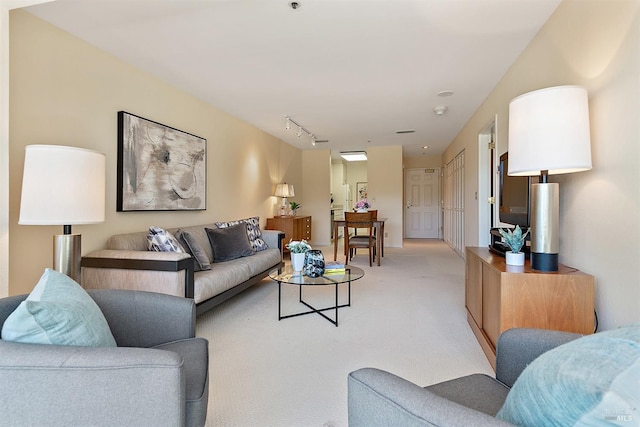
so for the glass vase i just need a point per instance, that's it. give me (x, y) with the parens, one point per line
(314, 263)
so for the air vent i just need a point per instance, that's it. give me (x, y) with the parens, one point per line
(399, 132)
(321, 141)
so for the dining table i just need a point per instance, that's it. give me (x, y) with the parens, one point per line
(378, 225)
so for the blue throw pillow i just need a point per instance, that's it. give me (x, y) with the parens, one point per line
(58, 311)
(594, 380)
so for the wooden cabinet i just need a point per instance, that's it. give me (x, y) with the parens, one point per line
(500, 297)
(294, 227)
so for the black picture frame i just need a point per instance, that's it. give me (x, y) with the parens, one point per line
(160, 168)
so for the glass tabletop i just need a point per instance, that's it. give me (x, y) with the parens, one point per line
(287, 275)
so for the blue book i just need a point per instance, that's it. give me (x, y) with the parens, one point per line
(333, 265)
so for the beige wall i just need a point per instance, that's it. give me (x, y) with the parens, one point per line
(66, 92)
(594, 43)
(317, 194)
(417, 162)
(385, 183)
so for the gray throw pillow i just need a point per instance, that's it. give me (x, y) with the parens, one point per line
(229, 243)
(194, 249)
(253, 231)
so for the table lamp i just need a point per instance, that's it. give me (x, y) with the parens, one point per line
(63, 186)
(548, 134)
(284, 190)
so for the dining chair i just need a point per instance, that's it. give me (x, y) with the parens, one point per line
(361, 220)
(374, 217)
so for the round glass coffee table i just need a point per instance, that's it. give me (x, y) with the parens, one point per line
(287, 276)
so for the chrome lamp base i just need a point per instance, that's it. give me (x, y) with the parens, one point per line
(67, 255)
(545, 224)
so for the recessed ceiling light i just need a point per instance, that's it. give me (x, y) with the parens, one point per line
(405, 131)
(353, 156)
(426, 147)
(440, 110)
(445, 93)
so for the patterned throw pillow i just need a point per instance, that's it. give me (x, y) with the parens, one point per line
(253, 231)
(161, 240)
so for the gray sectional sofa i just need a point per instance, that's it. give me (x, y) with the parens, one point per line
(126, 263)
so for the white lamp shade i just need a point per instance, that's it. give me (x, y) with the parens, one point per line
(549, 130)
(62, 186)
(284, 190)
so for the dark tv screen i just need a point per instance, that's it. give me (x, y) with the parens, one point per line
(514, 196)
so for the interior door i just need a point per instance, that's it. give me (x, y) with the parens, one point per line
(422, 209)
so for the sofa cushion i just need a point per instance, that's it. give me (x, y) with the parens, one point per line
(488, 396)
(253, 231)
(229, 243)
(58, 311)
(591, 380)
(222, 277)
(194, 249)
(161, 240)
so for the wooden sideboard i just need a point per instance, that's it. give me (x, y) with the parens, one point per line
(500, 297)
(294, 227)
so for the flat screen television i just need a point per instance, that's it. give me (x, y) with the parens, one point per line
(514, 197)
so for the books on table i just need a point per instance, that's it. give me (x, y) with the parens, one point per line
(334, 268)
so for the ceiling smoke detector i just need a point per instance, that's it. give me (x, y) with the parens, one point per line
(440, 110)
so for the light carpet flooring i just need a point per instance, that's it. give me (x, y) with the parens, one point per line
(406, 317)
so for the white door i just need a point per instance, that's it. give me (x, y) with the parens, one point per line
(422, 208)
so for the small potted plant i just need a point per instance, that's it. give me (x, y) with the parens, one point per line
(298, 249)
(515, 240)
(362, 205)
(294, 207)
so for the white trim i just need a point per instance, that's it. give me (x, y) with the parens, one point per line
(484, 181)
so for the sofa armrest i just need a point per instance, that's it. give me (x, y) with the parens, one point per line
(69, 385)
(181, 263)
(273, 238)
(379, 398)
(146, 319)
(518, 347)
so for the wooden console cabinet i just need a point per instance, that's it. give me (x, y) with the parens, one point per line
(500, 297)
(294, 227)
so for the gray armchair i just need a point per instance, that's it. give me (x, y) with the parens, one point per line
(379, 398)
(157, 376)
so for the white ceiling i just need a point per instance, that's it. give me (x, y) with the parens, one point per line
(350, 71)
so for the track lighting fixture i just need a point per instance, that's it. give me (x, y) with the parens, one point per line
(301, 130)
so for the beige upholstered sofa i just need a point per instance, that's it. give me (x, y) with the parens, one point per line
(126, 263)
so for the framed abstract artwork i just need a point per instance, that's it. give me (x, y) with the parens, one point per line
(159, 168)
(361, 189)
